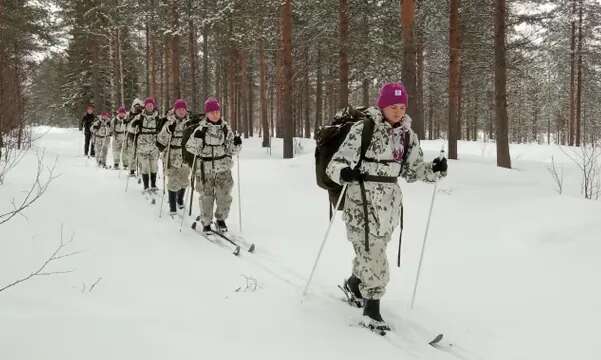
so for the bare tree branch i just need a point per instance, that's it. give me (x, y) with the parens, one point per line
(37, 189)
(41, 271)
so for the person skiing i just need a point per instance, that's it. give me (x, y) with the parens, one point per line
(101, 128)
(177, 171)
(214, 144)
(118, 131)
(145, 127)
(394, 151)
(136, 109)
(86, 125)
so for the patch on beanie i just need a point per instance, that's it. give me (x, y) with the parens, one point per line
(398, 92)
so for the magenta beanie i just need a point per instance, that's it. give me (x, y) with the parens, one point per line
(212, 104)
(180, 104)
(149, 100)
(391, 94)
(121, 110)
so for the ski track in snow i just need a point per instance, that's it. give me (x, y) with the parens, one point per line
(171, 295)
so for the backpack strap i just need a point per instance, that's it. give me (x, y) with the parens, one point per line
(366, 137)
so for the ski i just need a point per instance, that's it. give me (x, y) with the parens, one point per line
(350, 298)
(436, 340)
(229, 237)
(208, 237)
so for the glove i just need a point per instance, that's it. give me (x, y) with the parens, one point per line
(171, 128)
(237, 140)
(439, 165)
(136, 123)
(349, 175)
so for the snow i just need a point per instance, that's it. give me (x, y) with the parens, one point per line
(510, 268)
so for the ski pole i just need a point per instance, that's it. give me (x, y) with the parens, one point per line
(323, 243)
(192, 176)
(121, 157)
(421, 257)
(239, 195)
(164, 174)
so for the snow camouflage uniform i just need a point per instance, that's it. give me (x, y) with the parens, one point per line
(178, 172)
(144, 126)
(119, 132)
(129, 144)
(213, 144)
(102, 132)
(384, 200)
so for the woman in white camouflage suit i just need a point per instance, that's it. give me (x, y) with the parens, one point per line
(214, 144)
(101, 128)
(394, 151)
(119, 132)
(145, 126)
(177, 171)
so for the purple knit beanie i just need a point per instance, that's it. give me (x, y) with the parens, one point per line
(391, 94)
(212, 104)
(180, 104)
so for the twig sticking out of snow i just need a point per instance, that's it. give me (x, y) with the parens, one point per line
(251, 284)
(558, 175)
(56, 255)
(37, 189)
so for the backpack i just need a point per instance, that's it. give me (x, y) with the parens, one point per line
(160, 123)
(330, 137)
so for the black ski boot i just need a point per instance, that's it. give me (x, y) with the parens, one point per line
(172, 200)
(132, 173)
(180, 198)
(372, 318)
(351, 289)
(206, 229)
(153, 182)
(221, 226)
(116, 166)
(145, 181)
(125, 167)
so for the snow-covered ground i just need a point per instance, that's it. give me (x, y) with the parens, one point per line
(511, 269)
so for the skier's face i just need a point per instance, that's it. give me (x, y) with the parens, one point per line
(149, 107)
(137, 108)
(214, 116)
(394, 113)
(181, 113)
(90, 110)
(121, 115)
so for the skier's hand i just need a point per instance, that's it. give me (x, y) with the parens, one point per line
(237, 140)
(137, 122)
(171, 127)
(440, 165)
(349, 175)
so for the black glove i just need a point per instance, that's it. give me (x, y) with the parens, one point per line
(171, 128)
(349, 175)
(237, 140)
(136, 123)
(439, 165)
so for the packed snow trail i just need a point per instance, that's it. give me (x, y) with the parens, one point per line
(489, 285)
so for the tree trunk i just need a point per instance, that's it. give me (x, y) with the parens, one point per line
(318, 91)
(205, 64)
(579, 78)
(410, 63)
(454, 73)
(419, 110)
(193, 62)
(572, 121)
(263, 93)
(286, 19)
(121, 78)
(343, 33)
(503, 156)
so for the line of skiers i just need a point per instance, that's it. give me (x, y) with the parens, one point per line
(373, 155)
(202, 156)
